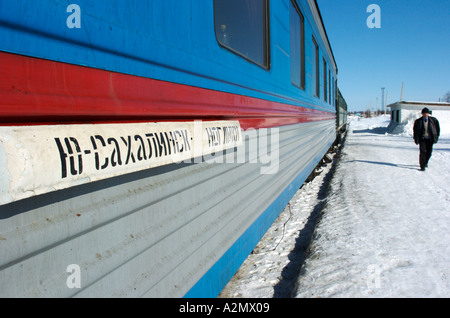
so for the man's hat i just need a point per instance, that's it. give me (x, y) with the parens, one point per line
(426, 110)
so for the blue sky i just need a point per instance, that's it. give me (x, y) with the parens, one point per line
(412, 46)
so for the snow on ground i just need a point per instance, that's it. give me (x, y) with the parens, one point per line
(370, 225)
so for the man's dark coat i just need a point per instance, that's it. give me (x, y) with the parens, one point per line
(433, 129)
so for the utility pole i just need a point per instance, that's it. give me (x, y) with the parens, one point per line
(385, 104)
(401, 94)
(382, 98)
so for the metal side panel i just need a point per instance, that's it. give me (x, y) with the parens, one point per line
(158, 232)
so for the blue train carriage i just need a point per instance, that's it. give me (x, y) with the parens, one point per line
(147, 146)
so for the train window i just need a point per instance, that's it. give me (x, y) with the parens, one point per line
(335, 92)
(297, 46)
(329, 86)
(331, 89)
(316, 61)
(241, 26)
(324, 80)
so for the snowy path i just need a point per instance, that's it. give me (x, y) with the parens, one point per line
(384, 230)
(386, 227)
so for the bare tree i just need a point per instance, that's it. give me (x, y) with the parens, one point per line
(446, 97)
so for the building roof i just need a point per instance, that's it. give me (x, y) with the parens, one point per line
(419, 103)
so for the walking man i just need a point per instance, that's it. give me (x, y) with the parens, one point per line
(426, 133)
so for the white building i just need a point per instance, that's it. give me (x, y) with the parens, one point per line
(404, 111)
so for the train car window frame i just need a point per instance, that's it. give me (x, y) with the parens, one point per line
(297, 42)
(325, 74)
(332, 89)
(329, 87)
(229, 26)
(317, 73)
(336, 92)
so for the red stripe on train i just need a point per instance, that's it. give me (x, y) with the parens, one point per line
(36, 91)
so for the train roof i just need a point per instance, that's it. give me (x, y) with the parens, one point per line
(319, 22)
